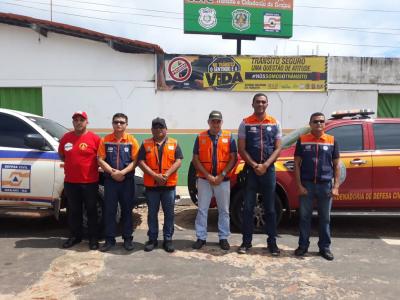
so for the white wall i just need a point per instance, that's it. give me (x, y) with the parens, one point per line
(78, 74)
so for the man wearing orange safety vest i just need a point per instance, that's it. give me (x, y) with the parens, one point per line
(160, 158)
(214, 156)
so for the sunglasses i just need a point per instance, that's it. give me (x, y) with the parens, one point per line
(318, 121)
(119, 122)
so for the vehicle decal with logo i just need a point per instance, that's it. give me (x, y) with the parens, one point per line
(15, 178)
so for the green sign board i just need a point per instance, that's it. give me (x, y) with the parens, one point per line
(266, 18)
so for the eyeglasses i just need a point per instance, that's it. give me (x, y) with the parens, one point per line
(318, 121)
(119, 122)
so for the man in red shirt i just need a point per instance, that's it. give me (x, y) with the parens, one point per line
(78, 150)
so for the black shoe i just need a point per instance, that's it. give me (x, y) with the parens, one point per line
(150, 245)
(167, 245)
(300, 251)
(327, 254)
(93, 244)
(244, 248)
(71, 241)
(128, 245)
(198, 244)
(107, 246)
(274, 250)
(224, 244)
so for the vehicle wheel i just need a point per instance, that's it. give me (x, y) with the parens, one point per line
(236, 209)
(192, 186)
(100, 205)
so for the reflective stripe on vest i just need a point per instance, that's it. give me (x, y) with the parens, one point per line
(153, 161)
(206, 151)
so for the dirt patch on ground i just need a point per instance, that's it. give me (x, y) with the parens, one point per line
(272, 277)
(66, 273)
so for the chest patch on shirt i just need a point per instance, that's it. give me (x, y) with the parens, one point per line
(83, 146)
(68, 147)
(171, 147)
(225, 140)
(325, 148)
(269, 128)
(253, 129)
(126, 149)
(307, 148)
(110, 149)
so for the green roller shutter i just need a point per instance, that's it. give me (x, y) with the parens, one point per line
(24, 99)
(389, 106)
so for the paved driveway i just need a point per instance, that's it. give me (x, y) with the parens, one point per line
(33, 266)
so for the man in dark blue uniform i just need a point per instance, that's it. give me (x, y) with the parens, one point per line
(117, 156)
(259, 145)
(316, 164)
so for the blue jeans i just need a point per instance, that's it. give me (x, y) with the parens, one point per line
(323, 193)
(264, 184)
(123, 193)
(221, 193)
(167, 199)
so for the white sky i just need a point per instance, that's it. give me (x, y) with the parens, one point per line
(355, 28)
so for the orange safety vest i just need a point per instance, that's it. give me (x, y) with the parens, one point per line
(206, 151)
(153, 161)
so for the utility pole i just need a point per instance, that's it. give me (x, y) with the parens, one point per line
(51, 10)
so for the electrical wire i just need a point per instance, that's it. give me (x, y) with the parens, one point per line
(175, 28)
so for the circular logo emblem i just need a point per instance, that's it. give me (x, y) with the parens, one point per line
(207, 17)
(269, 128)
(68, 147)
(325, 148)
(83, 146)
(179, 69)
(241, 19)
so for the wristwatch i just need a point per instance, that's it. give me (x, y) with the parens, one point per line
(223, 173)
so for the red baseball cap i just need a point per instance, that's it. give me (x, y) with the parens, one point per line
(80, 113)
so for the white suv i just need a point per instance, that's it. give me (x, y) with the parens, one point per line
(31, 171)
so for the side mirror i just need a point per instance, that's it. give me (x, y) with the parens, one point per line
(36, 141)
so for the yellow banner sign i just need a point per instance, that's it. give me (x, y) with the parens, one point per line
(244, 73)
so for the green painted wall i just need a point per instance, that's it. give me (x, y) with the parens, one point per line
(389, 106)
(24, 99)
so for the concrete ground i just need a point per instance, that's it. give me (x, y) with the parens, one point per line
(33, 265)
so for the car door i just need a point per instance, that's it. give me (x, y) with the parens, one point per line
(27, 175)
(386, 161)
(355, 153)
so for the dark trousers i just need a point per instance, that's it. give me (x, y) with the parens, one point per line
(323, 193)
(79, 194)
(123, 193)
(167, 199)
(264, 184)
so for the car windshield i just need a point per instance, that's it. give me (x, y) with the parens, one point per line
(53, 128)
(291, 138)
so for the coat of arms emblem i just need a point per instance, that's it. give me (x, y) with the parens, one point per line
(207, 17)
(241, 19)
